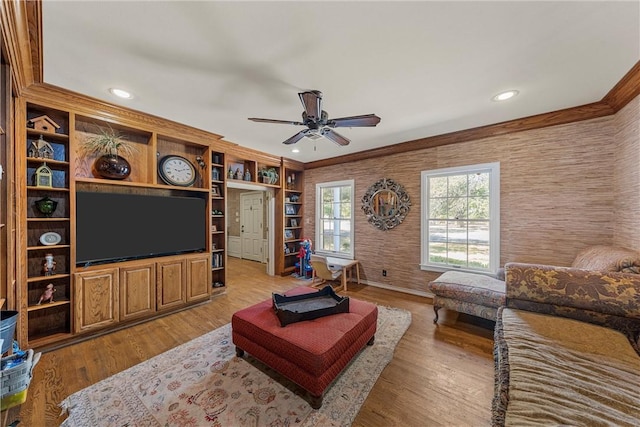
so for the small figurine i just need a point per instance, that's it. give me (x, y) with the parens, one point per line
(305, 256)
(247, 175)
(230, 173)
(238, 174)
(200, 162)
(47, 295)
(49, 265)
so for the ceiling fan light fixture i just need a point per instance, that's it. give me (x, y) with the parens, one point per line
(318, 123)
(313, 135)
(503, 96)
(121, 93)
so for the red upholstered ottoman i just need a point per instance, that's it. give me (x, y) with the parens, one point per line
(311, 353)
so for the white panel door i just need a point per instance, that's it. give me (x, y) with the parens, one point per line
(252, 212)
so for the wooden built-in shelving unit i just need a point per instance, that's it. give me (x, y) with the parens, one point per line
(94, 298)
(97, 297)
(291, 209)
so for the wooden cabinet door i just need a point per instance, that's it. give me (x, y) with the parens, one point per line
(137, 291)
(96, 295)
(198, 278)
(171, 282)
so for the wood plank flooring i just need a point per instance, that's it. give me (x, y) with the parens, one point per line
(440, 375)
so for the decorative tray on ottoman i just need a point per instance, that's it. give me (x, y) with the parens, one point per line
(310, 306)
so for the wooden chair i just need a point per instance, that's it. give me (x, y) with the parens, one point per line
(321, 270)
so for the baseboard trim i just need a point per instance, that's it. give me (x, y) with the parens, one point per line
(426, 294)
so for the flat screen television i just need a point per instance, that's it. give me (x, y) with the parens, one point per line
(114, 227)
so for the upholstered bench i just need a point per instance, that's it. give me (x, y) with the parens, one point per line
(310, 353)
(469, 293)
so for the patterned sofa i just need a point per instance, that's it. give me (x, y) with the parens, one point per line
(567, 343)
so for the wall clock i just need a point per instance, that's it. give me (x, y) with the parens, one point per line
(176, 170)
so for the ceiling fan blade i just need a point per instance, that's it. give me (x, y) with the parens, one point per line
(295, 138)
(354, 121)
(334, 136)
(284, 122)
(312, 103)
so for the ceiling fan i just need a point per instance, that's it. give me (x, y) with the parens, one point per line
(318, 122)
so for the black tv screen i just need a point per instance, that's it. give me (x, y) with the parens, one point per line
(116, 227)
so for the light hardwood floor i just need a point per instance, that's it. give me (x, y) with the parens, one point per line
(440, 375)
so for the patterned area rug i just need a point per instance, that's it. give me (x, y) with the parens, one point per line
(202, 383)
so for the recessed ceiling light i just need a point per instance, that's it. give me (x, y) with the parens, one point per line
(503, 96)
(295, 150)
(121, 93)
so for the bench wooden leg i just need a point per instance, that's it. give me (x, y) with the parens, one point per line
(435, 310)
(239, 352)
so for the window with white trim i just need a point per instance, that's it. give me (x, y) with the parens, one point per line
(461, 218)
(334, 218)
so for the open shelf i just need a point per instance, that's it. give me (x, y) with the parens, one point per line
(292, 209)
(218, 235)
(48, 305)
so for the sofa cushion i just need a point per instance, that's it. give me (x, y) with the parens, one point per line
(557, 371)
(469, 287)
(608, 258)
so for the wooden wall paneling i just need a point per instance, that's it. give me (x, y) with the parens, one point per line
(627, 176)
(20, 185)
(7, 208)
(152, 161)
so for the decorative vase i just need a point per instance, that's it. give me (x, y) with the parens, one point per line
(46, 206)
(112, 167)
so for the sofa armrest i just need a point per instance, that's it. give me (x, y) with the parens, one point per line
(605, 298)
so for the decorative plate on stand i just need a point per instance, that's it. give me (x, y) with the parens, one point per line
(50, 238)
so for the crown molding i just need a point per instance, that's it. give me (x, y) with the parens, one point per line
(22, 41)
(627, 89)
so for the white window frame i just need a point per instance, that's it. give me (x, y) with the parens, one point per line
(317, 247)
(494, 216)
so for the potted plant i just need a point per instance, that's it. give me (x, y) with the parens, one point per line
(262, 175)
(107, 144)
(268, 175)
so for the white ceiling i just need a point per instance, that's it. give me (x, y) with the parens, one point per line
(426, 68)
